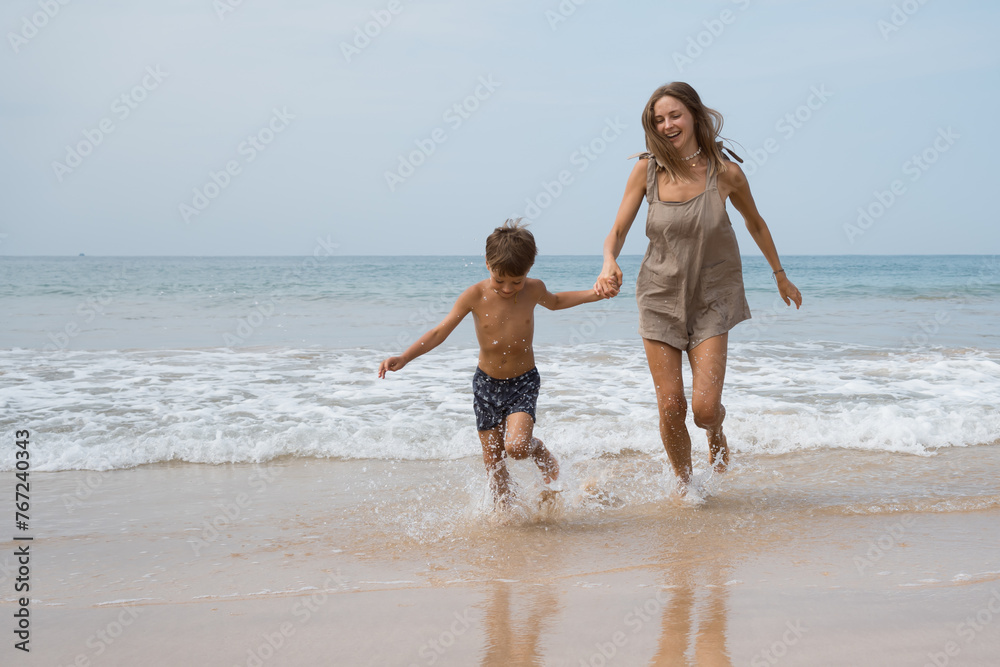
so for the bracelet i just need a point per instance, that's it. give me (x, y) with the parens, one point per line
(774, 275)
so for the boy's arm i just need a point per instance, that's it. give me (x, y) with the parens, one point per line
(434, 337)
(561, 300)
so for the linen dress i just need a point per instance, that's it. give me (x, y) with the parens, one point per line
(690, 284)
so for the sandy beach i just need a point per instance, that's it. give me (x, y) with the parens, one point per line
(226, 224)
(276, 504)
(307, 561)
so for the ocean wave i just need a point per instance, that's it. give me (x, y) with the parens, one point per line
(101, 410)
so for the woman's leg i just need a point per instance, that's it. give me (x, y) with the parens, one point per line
(708, 370)
(665, 367)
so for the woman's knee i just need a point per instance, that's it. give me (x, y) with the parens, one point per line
(708, 414)
(672, 406)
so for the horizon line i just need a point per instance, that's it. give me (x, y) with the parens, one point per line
(77, 256)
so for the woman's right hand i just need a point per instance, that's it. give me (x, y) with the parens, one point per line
(609, 283)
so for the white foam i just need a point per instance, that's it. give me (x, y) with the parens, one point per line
(117, 409)
(123, 601)
(388, 583)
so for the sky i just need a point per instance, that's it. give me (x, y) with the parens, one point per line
(414, 127)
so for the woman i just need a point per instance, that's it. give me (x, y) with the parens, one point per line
(690, 285)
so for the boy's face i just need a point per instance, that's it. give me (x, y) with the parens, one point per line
(506, 286)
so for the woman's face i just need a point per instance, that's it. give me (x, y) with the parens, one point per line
(674, 121)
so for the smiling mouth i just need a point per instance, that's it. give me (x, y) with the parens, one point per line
(675, 134)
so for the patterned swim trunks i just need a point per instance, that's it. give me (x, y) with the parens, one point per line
(494, 399)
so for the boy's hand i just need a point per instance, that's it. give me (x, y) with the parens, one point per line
(390, 364)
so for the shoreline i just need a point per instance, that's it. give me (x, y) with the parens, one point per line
(309, 561)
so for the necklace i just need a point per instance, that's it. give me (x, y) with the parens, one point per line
(692, 156)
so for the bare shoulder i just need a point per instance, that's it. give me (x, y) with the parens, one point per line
(534, 287)
(635, 186)
(472, 295)
(733, 184)
(639, 170)
(733, 177)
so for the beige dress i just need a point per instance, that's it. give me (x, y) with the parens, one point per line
(690, 284)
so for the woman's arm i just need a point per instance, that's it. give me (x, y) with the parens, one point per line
(610, 280)
(739, 193)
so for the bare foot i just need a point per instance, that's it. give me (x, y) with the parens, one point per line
(545, 461)
(547, 496)
(718, 451)
(502, 503)
(591, 491)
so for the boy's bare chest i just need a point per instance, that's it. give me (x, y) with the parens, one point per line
(505, 316)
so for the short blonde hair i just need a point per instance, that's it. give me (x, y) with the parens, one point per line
(510, 249)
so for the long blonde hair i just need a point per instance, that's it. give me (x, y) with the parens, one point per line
(707, 126)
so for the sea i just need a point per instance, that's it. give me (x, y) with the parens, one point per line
(210, 444)
(117, 362)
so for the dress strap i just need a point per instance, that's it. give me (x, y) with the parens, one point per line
(723, 149)
(712, 179)
(650, 172)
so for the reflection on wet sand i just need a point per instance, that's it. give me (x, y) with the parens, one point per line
(692, 606)
(679, 621)
(515, 641)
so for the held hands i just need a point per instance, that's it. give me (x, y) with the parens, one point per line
(788, 291)
(390, 364)
(609, 282)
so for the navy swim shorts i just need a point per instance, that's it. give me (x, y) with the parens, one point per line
(494, 400)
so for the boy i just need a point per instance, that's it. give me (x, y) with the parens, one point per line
(505, 385)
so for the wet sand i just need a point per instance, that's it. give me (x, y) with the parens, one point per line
(814, 558)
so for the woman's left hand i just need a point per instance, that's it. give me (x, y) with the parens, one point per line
(788, 291)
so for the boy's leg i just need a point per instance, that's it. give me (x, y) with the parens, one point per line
(496, 468)
(490, 424)
(520, 443)
(708, 371)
